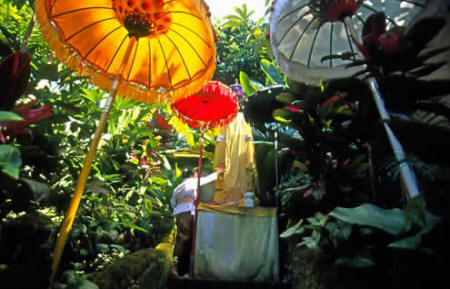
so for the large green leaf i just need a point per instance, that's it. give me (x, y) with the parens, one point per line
(40, 190)
(249, 86)
(361, 260)
(245, 82)
(295, 230)
(392, 221)
(10, 160)
(8, 116)
(271, 71)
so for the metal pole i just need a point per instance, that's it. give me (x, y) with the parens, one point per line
(406, 173)
(275, 155)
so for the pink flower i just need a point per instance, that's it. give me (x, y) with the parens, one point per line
(30, 116)
(334, 98)
(293, 108)
(390, 41)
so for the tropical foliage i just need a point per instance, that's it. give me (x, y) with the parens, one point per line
(349, 222)
(321, 154)
(46, 131)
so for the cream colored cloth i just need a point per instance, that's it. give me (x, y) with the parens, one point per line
(235, 151)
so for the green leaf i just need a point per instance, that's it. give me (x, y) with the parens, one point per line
(339, 229)
(8, 116)
(245, 82)
(409, 243)
(10, 160)
(148, 206)
(362, 260)
(286, 98)
(392, 221)
(40, 190)
(297, 229)
(282, 115)
(271, 72)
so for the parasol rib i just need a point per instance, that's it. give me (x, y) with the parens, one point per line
(87, 27)
(349, 38)
(412, 2)
(165, 61)
(115, 53)
(134, 59)
(300, 38)
(181, 55)
(193, 32)
(101, 40)
(190, 45)
(331, 44)
(149, 62)
(293, 25)
(291, 12)
(360, 19)
(312, 46)
(184, 12)
(80, 9)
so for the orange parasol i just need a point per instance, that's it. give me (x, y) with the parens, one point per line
(147, 50)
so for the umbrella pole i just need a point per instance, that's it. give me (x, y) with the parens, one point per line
(275, 134)
(407, 175)
(197, 201)
(27, 35)
(75, 201)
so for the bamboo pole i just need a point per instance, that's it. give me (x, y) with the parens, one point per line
(75, 201)
(197, 201)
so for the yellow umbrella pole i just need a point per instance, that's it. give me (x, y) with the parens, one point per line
(70, 215)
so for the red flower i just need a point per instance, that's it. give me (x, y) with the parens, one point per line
(14, 76)
(267, 35)
(390, 41)
(162, 123)
(293, 108)
(377, 43)
(133, 156)
(345, 163)
(215, 35)
(30, 116)
(334, 99)
(155, 163)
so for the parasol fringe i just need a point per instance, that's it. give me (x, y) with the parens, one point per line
(103, 80)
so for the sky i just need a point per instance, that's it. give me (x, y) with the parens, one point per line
(220, 8)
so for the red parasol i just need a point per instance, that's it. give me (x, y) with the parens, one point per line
(214, 105)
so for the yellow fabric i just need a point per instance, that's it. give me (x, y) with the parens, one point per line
(236, 153)
(234, 210)
(89, 35)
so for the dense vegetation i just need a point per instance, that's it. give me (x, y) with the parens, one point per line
(344, 218)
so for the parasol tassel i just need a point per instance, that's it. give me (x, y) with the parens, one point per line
(75, 201)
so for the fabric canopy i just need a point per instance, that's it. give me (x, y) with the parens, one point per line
(235, 151)
(237, 244)
(173, 56)
(214, 105)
